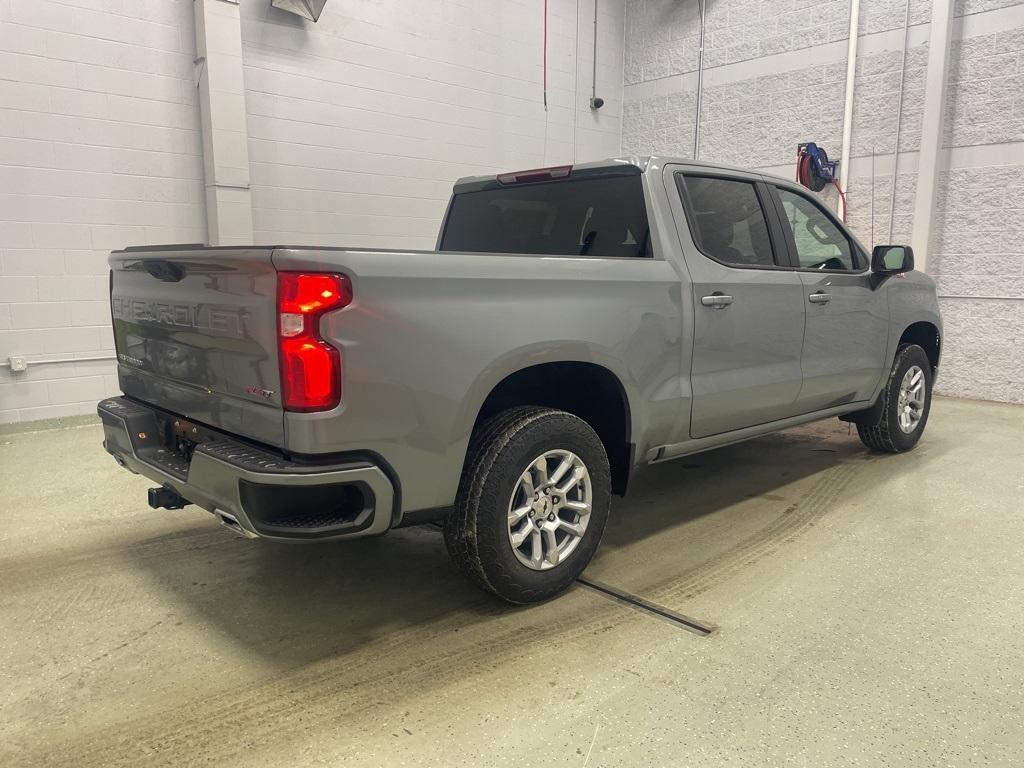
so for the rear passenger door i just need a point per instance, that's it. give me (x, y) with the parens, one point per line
(748, 302)
(847, 316)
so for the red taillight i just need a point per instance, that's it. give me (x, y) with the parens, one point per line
(310, 367)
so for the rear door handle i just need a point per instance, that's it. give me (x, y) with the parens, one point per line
(716, 300)
(820, 298)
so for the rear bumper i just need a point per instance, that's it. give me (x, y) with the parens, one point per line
(265, 494)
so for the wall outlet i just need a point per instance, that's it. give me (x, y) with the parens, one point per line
(17, 363)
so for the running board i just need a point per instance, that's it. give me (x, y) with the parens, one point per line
(696, 445)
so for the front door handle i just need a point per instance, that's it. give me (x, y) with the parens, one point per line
(716, 300)
(820, 298)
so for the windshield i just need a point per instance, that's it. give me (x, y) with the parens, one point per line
(603, 216)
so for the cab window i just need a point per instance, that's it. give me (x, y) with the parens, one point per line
(820, 244)
(577, 216)
(726, 220)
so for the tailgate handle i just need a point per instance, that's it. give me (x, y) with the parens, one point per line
(164, 270)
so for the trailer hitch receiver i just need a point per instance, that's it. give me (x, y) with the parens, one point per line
(166, 498)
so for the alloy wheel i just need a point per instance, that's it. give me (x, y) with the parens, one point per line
(910, 404)
(549, 509)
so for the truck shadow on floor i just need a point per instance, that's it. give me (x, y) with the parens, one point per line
(769, 471)
(295, 604)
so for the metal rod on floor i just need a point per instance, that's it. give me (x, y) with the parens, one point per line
(635, 601)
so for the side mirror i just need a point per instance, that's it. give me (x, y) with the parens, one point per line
(892, 259)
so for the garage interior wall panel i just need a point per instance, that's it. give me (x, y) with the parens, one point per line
(775, 76)
(358, 125)
(978, 242)
(99, 149)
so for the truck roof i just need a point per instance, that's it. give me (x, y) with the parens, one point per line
(469, 183)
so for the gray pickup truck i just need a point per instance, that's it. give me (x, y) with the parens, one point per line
(572, 324)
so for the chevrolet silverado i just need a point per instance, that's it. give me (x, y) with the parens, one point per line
(572, 324)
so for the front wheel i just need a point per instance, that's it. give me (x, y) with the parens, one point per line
(906, 403)
(532, 503)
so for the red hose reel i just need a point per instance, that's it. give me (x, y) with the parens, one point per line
(815, 171)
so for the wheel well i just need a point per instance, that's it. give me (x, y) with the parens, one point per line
(589, 391)
(926, 336)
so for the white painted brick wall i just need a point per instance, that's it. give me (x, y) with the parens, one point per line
(870, 221)
(663, 36)
(978, 244)
(358, 126)
(985, 101)
(99, 149)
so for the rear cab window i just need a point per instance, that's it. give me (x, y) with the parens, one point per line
(727, 220)
(600, 216)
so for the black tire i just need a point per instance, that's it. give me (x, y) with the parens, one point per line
(885, 433)
(477, 531)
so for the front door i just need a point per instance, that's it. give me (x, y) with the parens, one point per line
(847, 317)
(748, 302)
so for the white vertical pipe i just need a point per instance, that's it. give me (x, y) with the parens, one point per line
(700, 84)
(899, 121)
(851, 76)
(576, 83)
(940, 34)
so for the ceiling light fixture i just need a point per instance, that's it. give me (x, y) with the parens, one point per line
(307, 9)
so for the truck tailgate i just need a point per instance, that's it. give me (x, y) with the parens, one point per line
(195, 330)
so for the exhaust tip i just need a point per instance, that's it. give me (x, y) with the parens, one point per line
(230, 522)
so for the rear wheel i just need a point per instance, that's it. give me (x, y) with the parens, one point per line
(532, 503)
(906, 402)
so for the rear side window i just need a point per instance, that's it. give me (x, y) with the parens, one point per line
(604, 216)
(727, 221)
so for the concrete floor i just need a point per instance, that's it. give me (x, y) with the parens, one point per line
(869, 612)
